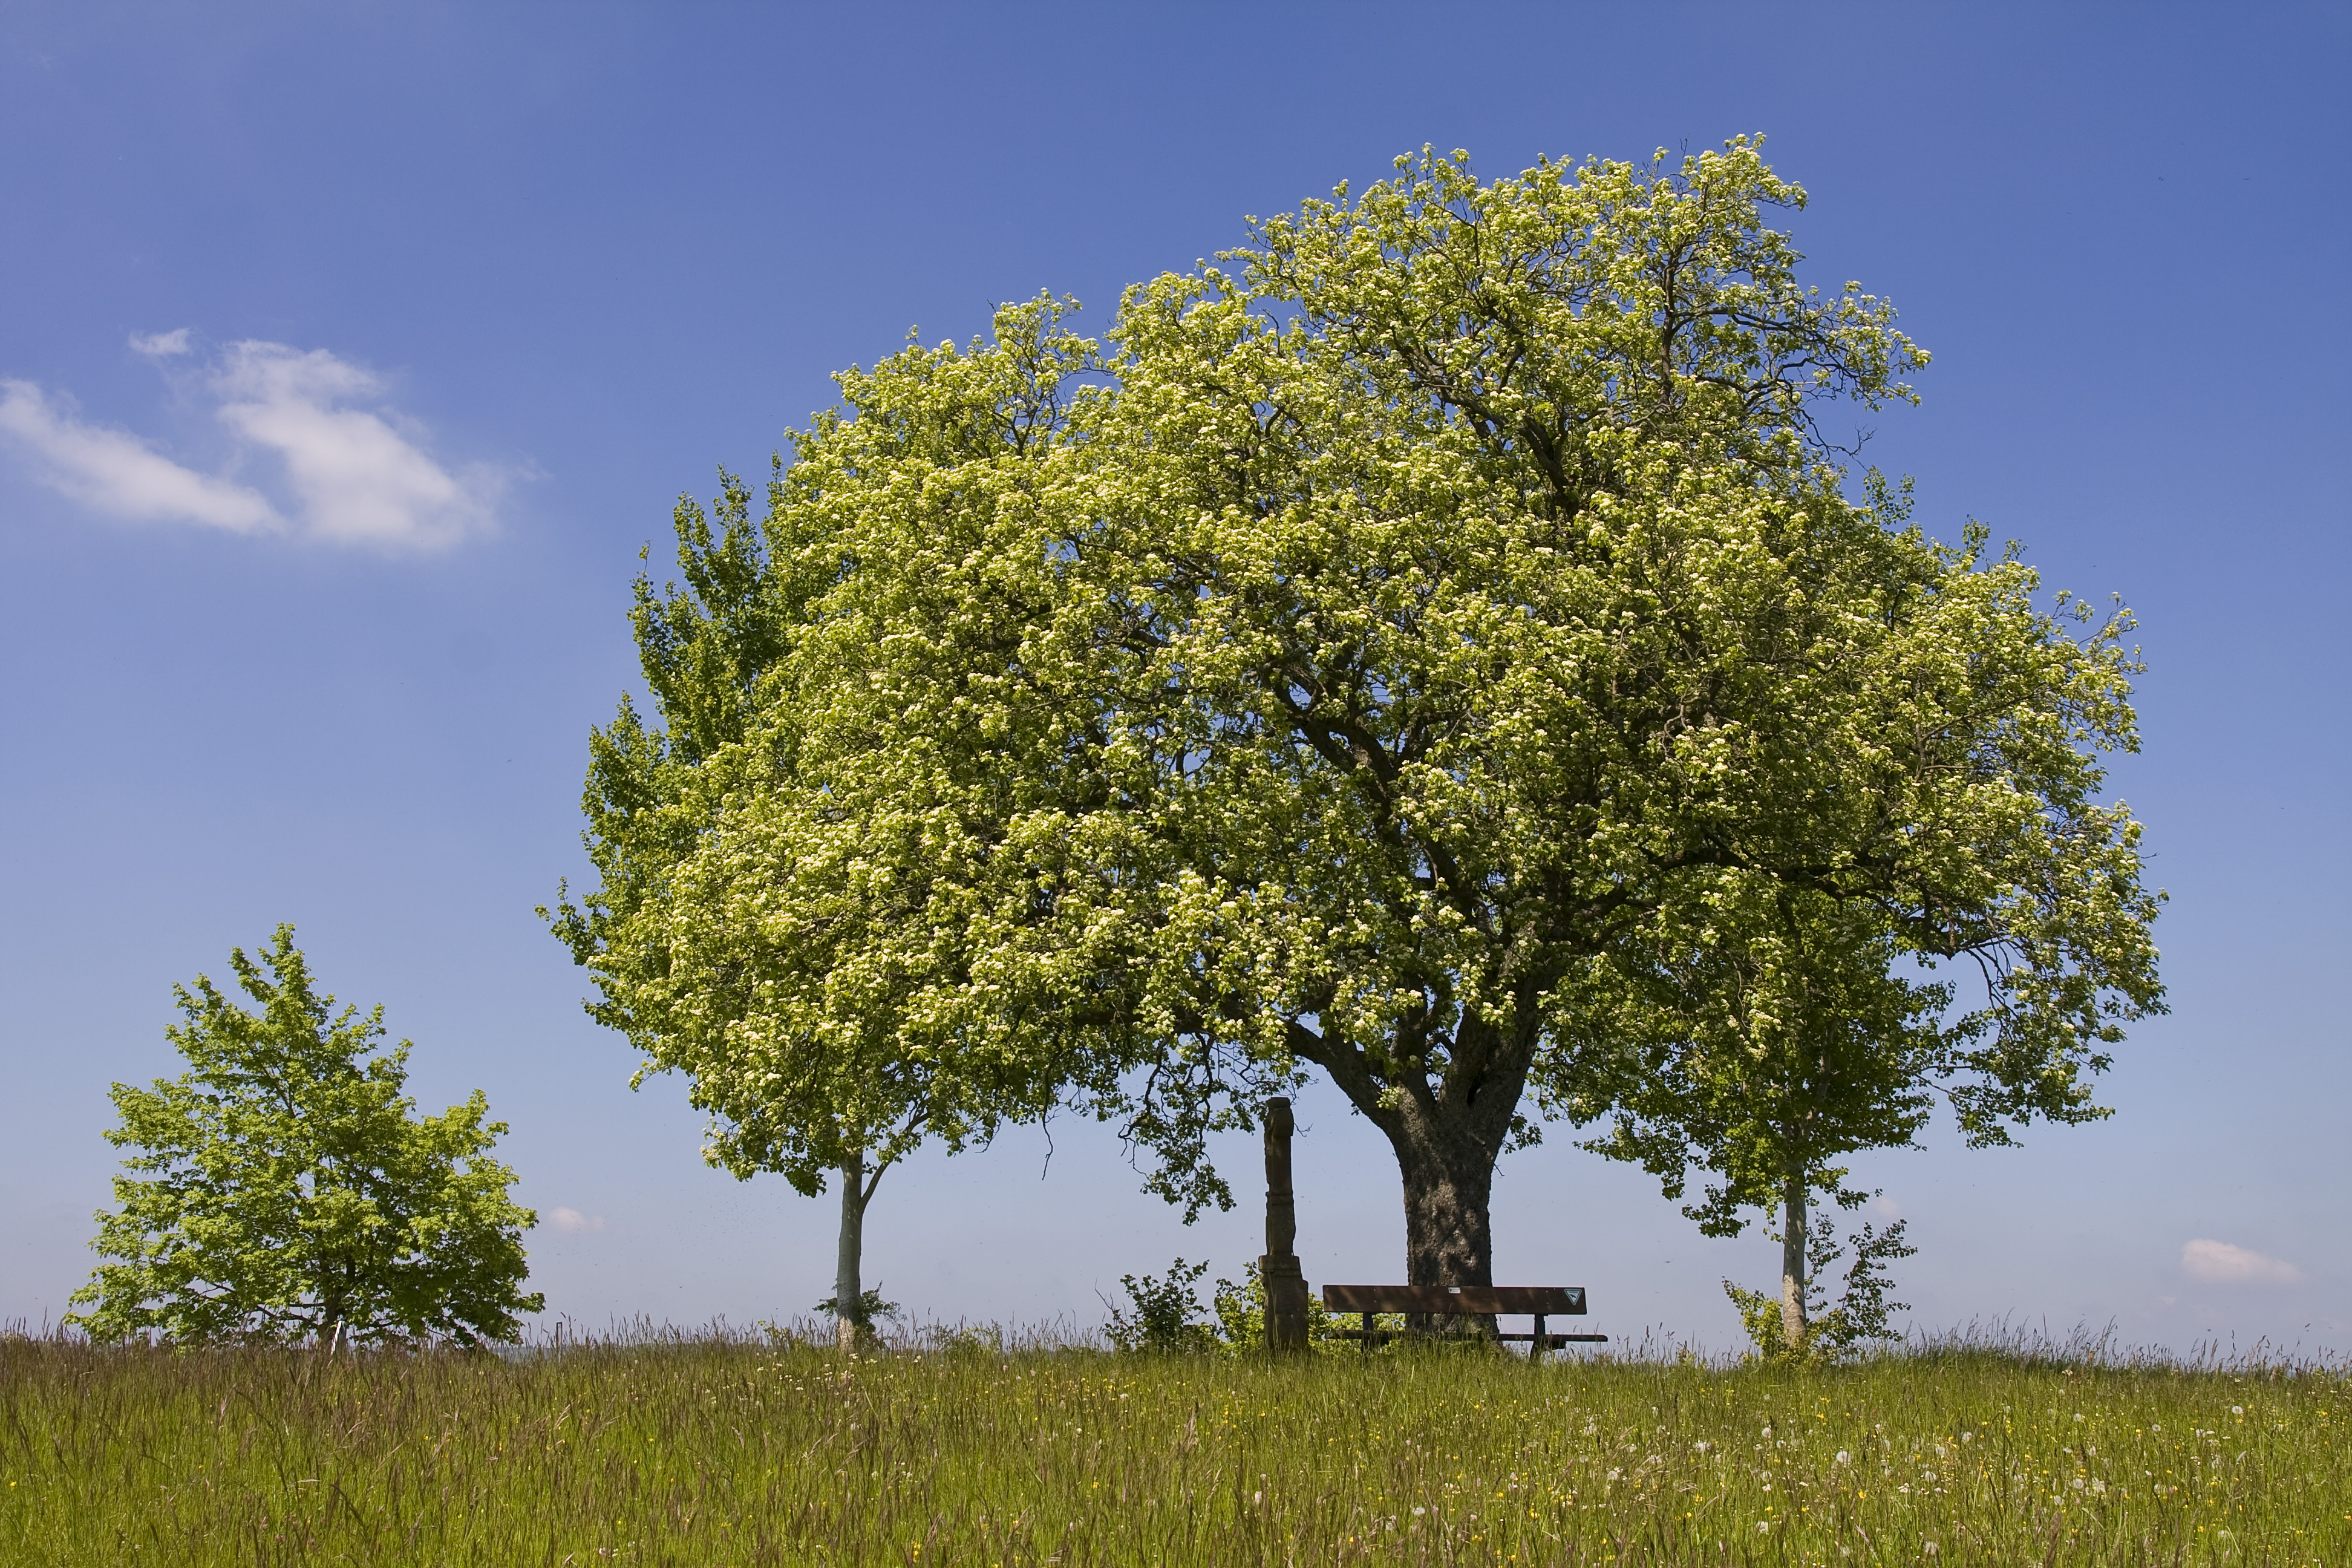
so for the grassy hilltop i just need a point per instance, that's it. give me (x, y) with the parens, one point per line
(716, 1451)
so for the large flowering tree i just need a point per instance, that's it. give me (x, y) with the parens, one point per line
(1474, 595)
(1421, 640)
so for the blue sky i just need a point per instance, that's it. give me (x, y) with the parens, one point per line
(351, 353)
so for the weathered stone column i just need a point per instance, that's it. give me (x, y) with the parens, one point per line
(1285, 1283)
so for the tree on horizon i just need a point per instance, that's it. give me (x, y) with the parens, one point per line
(283, 1191)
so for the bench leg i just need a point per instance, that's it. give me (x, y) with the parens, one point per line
(1368, 1333)
(1536, 1346)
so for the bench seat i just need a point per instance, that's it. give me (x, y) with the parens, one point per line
(1538, 1302)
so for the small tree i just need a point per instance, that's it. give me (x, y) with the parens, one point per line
(1777, 1018)
(1760, 1037)
(288, 1192)
(1830, 1332)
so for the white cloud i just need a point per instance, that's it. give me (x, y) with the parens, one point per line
(359, 479)
(355, 472)
(117, 473)
(2222, 1263)
(160, 345)
(1880, 1203)
(573, 1220)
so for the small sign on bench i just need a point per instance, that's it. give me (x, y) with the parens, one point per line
(1538, 1302)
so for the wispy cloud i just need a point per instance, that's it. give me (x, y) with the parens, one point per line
(115, 472)
(159, 345)
(349, 470)
(360, 478)
(572, 1220)
(2223, 1264)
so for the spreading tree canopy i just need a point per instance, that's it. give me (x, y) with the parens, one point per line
(1426, 634)
(284, 1190)
(1475, 593)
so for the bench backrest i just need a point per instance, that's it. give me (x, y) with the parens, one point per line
(1550, 1300)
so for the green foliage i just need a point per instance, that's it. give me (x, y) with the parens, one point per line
(1436, 646)
(287, 1192)
(1760, 1036)
(1166, 1319)
(1168, 1316)
(1836, 1331)
(1467, 564)
(1860, 1317)
(871, 1306)
(1479, 631)
(705, 1452)
(822, 870)
(1240, 1313)
(1759, 1315)
(1771, 1023)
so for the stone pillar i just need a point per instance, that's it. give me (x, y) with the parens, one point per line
(1285, 1283)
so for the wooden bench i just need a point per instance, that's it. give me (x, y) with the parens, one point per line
(1540, 1302)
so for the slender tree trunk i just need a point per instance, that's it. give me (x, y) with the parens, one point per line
(1794, 1330)
(330, 1318)
(848, 1289)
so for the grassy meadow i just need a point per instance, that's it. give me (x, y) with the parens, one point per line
(716, 1450)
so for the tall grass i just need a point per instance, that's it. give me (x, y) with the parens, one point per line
(716, 1449)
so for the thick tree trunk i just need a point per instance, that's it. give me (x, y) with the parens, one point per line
(1794, 1330)
(1447, 1184)
(849, 1326)
(1447, 1134)
(1449, 1180)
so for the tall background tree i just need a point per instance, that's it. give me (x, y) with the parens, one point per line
(826, 874)
(284, 1190)
(1779, 1022)
(1470, 585)
(1760, 1043)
